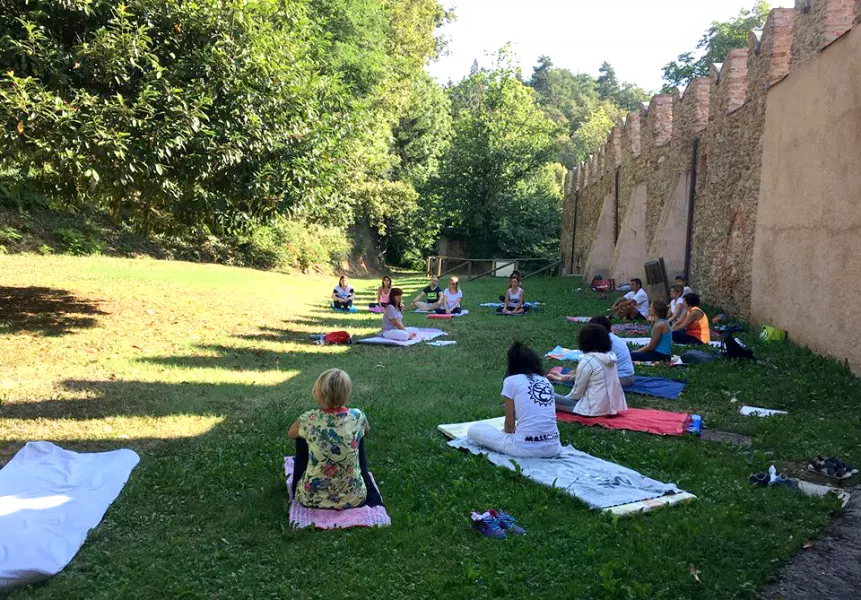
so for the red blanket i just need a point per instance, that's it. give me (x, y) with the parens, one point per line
(660, 422)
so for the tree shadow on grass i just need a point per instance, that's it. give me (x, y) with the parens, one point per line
(45, 311)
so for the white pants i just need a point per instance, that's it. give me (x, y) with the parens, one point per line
(399, 335)
(507, 443)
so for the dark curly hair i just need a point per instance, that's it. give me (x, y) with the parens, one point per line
(594, 338)
(602, 321)
(522, 360)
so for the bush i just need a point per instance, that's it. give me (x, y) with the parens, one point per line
(9, 234)
(79, 243)
(289, 244)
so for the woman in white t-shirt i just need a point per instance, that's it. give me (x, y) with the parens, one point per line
(451, 297)
(530, 411)
(677, 305)
(393, 318)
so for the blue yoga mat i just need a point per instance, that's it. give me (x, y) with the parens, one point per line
(659, 387)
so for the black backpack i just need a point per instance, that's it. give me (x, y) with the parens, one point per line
(734, 349)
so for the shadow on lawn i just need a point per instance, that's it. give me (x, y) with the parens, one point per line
(46, 311)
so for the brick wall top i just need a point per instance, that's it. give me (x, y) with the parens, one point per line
(790, 36)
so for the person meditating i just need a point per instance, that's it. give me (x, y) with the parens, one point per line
(618, 346)
(694, 327)
(660, 347)
(677, 310)
(330, 469)
(451, 298)
(514, 302)
(634, 305)
(597, 391)
(383, 293)
(530, 411)
(393, 319)
(343, 294)
(431, 294)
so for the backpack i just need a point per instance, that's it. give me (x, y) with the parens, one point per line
(599, 284)
(772, 334)
(337, 337)
(734, 349)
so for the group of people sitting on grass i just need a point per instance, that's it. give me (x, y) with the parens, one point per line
(683, 319)
(331, 468)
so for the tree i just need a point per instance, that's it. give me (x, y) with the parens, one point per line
(608, 85)
(715, 44)
(493, 179)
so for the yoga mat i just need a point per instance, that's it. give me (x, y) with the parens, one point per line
(643, 341)
(560, 353)
(498, 304)
(422, 335)
(49, 499)
(754, 411)
(659, 422)
(659, 387)
(577, 319)
(377, 309)
(598, 483)
(434, 315)
(630, 329)
(441, 343)
(322, 518)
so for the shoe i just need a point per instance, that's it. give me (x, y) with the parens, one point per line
(507, 522)
(487, 525)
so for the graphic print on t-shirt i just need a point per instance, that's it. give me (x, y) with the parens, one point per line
(541, 391)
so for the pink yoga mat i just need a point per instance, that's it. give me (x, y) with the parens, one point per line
(659, 422)
(436, 316)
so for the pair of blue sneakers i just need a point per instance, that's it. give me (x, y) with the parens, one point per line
(495, 524)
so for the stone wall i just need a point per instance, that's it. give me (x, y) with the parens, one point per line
(725, 114)
(808, 231)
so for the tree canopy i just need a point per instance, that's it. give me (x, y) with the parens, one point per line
(715, 44)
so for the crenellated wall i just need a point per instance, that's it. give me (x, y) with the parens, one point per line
(724, 116)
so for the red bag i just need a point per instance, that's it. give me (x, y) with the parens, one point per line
(337, 337)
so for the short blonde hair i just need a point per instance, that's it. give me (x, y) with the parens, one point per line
(332, 388)
(456, 282)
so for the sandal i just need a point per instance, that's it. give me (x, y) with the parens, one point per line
(760, 479)
(831, 467)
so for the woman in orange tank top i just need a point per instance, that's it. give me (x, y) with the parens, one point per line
(694, 328)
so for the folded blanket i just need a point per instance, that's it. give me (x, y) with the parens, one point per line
(598, 483)
(560, 353)
(322, 518)
(49, 499)
(578, 319)
(440, 343)
(659, 387)
(659, 422)
(422, 335)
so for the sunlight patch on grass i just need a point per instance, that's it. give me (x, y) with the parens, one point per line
(108, 428)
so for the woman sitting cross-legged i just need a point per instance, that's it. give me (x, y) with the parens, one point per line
(694, 327)
(530, 411)
(451, 298)
(597, 391)
(383, 293)
(393, 318)
(514, 302)
(331, 470)
(660, 347)
(343, 294)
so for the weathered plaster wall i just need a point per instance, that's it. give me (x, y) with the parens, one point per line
(807, 253)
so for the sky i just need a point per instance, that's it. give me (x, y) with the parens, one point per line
(637, 37)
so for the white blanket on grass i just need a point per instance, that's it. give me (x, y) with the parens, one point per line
(422, 335)
(597, 483)
(49, 499)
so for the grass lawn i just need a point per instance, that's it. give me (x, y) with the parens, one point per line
(201, 369)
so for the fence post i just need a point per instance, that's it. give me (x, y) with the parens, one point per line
(469, 271)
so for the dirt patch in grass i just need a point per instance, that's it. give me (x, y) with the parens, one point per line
(726, 437)
(830, 567)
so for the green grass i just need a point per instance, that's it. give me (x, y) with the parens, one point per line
(202, 369)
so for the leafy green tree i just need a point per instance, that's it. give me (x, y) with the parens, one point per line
(715, 44)
(494, 173)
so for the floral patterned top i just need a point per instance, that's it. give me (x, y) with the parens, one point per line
(333, 478)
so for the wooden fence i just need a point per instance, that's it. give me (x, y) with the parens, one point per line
(476, 268)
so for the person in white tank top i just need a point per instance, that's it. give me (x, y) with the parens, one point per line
(515, 298)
